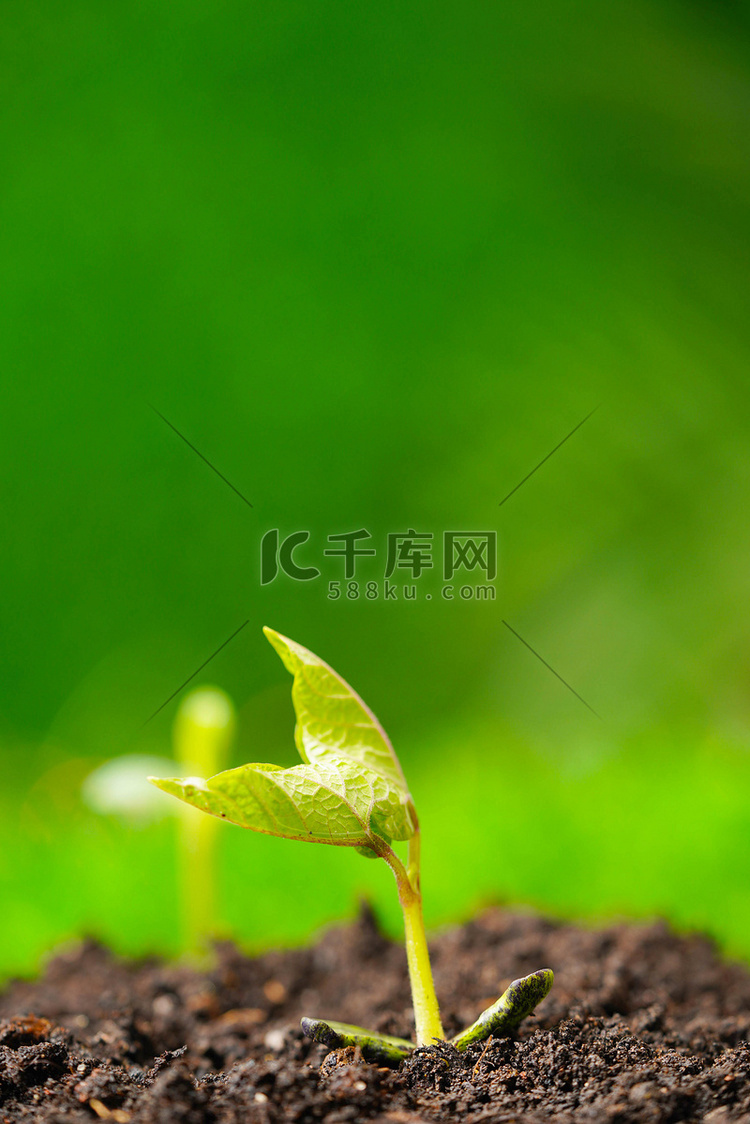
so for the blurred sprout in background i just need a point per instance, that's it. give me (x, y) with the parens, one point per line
(202, 735)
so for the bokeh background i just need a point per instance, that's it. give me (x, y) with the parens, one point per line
(375, 261)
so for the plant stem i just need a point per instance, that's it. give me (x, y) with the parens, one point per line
(426, 1011)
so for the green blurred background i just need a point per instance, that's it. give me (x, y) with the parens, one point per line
(375, 261)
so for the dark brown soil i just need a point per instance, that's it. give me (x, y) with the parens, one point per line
(641, 1025)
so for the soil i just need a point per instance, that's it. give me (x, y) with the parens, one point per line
(641, 1025)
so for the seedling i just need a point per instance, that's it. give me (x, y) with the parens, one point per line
(350, 791)
(202, 735)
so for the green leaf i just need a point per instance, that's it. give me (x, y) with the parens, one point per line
(334, 802)
(381, 1048)
(332, 719)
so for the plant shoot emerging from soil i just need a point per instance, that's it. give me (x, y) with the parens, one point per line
(202, 735)
(350, 791)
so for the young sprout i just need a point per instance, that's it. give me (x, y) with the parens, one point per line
(202, 734)
(201, 737)
(350, 791)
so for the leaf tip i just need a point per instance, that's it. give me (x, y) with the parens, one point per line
(276, 640)
(171, 785)
(274, 637)
(288, 650)
(182, 787)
